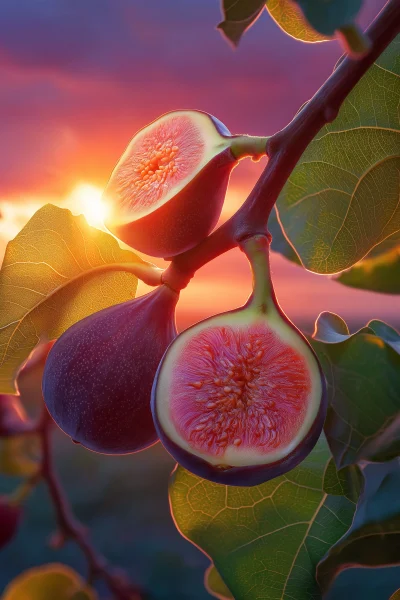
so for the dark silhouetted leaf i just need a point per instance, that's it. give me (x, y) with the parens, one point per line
(239, 15)
(363, 374)
(373, 540)
(265, 541)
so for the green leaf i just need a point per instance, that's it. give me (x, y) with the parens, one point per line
(342, 198)
(56, 271)
(363, 374)
(49, 582)
(346, 482)
(279, 242)
(289, 16)
(239, 15)
(373, 540)
(214, 584)
(265, 541)
(20, 455)
(377, 274)
(328, 16)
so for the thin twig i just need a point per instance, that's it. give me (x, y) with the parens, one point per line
(70, 528)
(284, 150)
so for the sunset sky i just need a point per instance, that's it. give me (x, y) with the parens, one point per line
(79, 78)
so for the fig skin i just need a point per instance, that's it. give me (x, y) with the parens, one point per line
(254, 474)
(192, 213)
(187, 218)
(10, 517)
(98, 376)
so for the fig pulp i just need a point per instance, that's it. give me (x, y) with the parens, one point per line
(98, 375)
(240, 397)
(10, 516)
(167, 190)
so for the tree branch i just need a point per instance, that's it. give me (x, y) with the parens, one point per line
(70, 528)
(284, 150)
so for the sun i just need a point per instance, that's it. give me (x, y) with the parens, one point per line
(87, 199)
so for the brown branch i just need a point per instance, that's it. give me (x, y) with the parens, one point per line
(284, 150)
(71, 529)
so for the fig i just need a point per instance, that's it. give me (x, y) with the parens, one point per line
(98, 375)
(10, 516)
(240, 398)
(167, 190)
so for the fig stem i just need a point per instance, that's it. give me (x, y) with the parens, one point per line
(257, 251)
(249, 145)
(70, 528)
(285, 148)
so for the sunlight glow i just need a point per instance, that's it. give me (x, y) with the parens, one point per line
(87, 199)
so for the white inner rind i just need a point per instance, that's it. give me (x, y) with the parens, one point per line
(214, 144)
(234, 456)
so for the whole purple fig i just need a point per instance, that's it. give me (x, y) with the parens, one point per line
(98, 376)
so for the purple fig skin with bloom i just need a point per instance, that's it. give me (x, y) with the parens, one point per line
(167, 191)
(98, 376)
(241, 398)
(10, 517)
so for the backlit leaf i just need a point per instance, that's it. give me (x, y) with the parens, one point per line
(342, 199)
(49, 582)
(363, 374)
(265, 541)
(55, 272)
(288, 15)
(279, 242)
(214, 584)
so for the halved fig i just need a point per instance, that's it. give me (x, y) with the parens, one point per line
(240, 397)
(167, 190)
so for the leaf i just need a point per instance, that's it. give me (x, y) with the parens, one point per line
(342, 199)
(279, 242)
(346, 482)
(265, 541)
(239, 15)
(373, 540)
(328, 16)
(56, 271)
(289, 17)
(49, 582)
(363, 374)
(214, 584)
(378, 274)
(20, 455)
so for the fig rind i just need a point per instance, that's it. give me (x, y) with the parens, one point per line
(98, 375)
